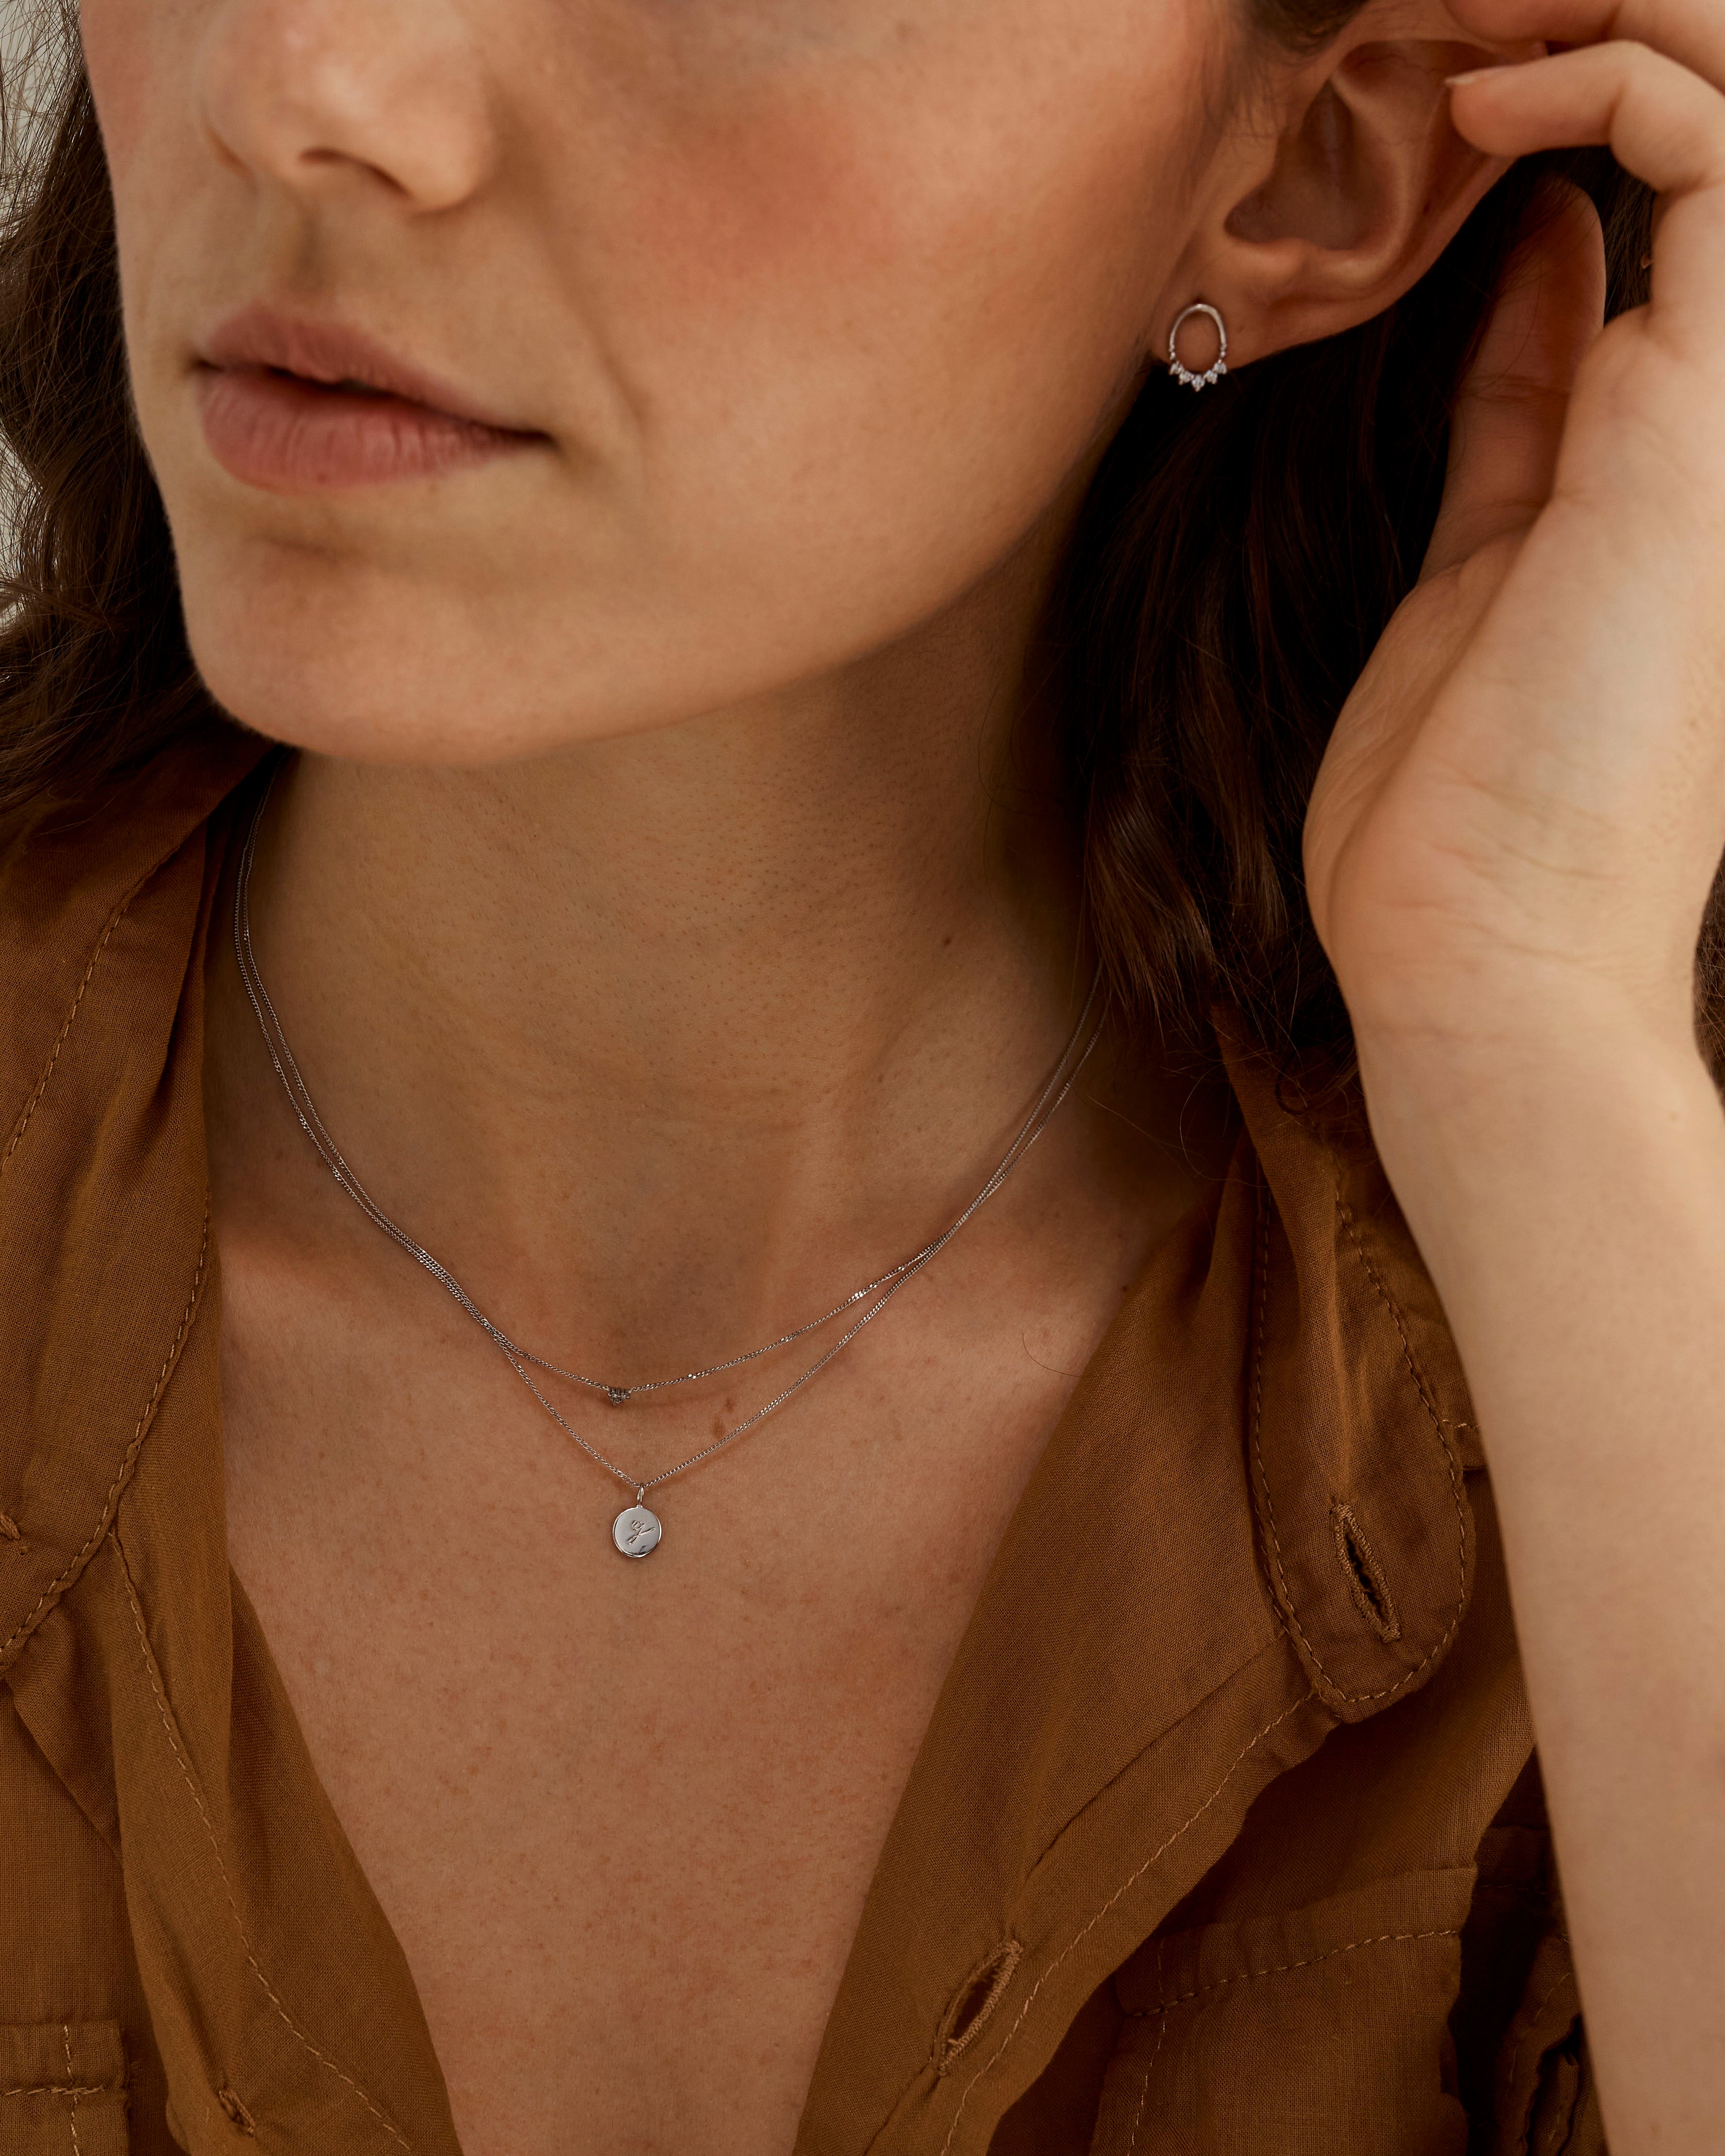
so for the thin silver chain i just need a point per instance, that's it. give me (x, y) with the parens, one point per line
(1060, 1082)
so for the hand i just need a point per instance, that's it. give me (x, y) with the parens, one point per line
(1514, 833)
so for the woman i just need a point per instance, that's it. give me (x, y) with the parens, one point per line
(794, 722)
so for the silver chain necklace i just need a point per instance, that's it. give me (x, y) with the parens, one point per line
(637, 1530)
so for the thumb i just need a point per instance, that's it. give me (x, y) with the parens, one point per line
(1508, 422)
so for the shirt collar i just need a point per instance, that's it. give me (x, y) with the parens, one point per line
(1250, 1526)
(103, 1216)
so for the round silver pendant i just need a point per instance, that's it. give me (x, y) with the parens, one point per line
(637, 1532)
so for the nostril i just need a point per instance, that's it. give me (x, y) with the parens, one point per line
(974, 2002)
(323, 95)
(1365, 1575)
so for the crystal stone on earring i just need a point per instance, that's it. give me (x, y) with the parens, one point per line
(1205, 378)
(1208, 380)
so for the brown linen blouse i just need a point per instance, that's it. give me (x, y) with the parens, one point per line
(1227, 1833)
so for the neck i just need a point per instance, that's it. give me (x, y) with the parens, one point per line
(709, 1020)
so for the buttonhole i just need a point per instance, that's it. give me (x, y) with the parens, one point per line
(974, 2002)
(237, 2112)
(9, 1532)
(1365, 1575)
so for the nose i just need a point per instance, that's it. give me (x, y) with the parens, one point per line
(315, 94)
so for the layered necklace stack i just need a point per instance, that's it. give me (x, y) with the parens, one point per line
(637, 1530)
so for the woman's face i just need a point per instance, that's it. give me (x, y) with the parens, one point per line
(788, 320)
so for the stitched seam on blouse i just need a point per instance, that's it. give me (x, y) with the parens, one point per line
(1354, 1699)
(62, 2088)
(1149, 2065)
(66, 2039)
(1566, 2127)
(1525, 2138)
(122, 907)
(1144, 2091)
(1281, 1969)
(151, 1671)
(55, 1586)
(1428, 1400)
(1124, 1886)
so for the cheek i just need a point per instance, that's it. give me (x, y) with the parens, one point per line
(941, 284)
(123, 40)
(822, 212)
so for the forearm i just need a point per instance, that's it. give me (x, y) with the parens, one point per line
(1573, 1214)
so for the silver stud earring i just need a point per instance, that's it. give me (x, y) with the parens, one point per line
(1184, 375)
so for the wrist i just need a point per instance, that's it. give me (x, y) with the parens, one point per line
(1496, 1050)
(1465, 1128)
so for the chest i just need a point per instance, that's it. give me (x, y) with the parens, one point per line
(622, 1817)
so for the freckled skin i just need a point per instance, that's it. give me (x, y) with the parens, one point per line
(819, 311)
(737, 263)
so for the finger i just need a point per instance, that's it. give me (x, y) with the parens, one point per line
(1691, 31)
(1508, 424)
(1660, 119)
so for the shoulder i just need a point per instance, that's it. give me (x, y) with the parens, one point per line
(98, 902)
(104, 910)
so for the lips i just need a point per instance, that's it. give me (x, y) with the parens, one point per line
(300, 406)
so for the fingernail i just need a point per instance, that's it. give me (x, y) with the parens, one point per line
(1462, 81)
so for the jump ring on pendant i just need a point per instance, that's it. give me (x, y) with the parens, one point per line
(1184, 375)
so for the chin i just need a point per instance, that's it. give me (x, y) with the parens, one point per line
(299, 681)
(333, 656)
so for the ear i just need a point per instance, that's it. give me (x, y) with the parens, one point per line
(1339, 184)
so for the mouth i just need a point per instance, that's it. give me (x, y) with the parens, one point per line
(300, 406)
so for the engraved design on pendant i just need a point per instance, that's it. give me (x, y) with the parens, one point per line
(637, 1532)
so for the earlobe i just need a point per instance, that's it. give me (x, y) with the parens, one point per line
(1369, 182)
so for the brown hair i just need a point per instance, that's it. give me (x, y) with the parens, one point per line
(1239, 556)
(94, 673)
(1238, 559)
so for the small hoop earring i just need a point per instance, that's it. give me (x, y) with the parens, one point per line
(1184, 375)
